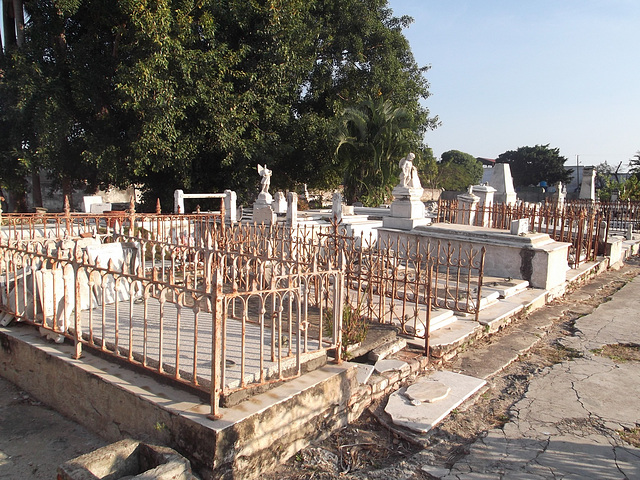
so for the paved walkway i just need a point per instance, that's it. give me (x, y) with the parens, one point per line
(567, 424)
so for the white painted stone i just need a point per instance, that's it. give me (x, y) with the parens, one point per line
(105, 286)
(56, 293)
(292, 209)
(427, 391)
(520, 226)
(467, 207)
(100, 208)
(89, 200)
(279, 203)
(424, 417)
(364, 372)
(382, 366)
(588, 185)
(263, 215)
(230, 209)
(502, 181)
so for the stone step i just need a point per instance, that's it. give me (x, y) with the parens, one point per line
(506, 287)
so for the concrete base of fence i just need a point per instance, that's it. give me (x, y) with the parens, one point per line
(118, 403)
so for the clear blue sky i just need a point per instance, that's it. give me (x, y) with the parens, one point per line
(510, 73)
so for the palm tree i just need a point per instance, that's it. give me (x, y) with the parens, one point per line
(374, 135)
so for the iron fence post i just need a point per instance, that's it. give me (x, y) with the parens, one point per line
(216, 351)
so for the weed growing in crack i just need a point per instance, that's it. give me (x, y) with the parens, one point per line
(619, 352)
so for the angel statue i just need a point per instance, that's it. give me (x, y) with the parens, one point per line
(265, 173)
(409, 173)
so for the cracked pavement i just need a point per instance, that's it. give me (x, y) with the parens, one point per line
(566, 424)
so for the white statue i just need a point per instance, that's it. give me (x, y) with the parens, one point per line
(408, 173)
(265, 173)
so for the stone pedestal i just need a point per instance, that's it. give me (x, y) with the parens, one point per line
(559, 195)
(485, 193)
(292, 209)
(588, 186)
(230, 209)
(467, 208)
(407, 209)
(263, 211)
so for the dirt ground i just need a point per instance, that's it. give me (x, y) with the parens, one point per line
(369, 449)
(34, 439)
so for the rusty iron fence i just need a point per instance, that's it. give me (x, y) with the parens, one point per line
(400, 280)
(217, 307)
(585, 229)
(207, 316)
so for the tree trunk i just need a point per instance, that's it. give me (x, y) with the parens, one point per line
(18, 12)
(8, 23)
(36, 189)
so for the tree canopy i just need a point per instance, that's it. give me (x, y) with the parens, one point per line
(532, 165)
(193, 94)
(457, 170)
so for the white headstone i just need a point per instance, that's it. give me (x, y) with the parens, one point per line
(292, 209)
(230, 210)
(336, 206)
(178, 201)
(279, 203)
(588, 186)
(502, 181)
(90, 200)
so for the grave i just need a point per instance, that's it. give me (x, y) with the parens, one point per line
(502, 181)
(407, 209)
(588, 185)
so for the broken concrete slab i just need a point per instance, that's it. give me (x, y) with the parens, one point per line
(364, 373)
(422, 418)
(128, 459)
(382, 366)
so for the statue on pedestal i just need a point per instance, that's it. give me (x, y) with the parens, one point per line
(265, 173)
(408, 173)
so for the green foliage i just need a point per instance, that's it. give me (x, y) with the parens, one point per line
(634, 165)
(193, 94)
(532, 165)
(374, 136)
(354, 326)
(457, 170)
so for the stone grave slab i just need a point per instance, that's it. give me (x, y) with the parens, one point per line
(105, 286)
(423, 417)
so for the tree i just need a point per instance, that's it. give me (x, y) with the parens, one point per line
(634, 165)
(457, 170)
(375, 135)
(193, 94)
(532, 165)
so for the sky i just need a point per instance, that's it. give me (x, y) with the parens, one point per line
(506, 74)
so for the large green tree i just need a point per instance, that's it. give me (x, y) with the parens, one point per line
(532, 165)
(194, 93)
(457, 170)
